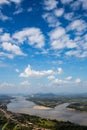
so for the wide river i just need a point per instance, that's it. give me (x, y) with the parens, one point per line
(21, 105)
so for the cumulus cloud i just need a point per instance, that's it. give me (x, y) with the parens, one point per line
(60, 40)
(29, 72)
(2, 2)
(81, 49)
(78, 25)
(76, 4)
(57, 33)
(51, 19)
(5, 37)
(11, 43)
(69, 16)
(50, 4)
(6, 55)
(59, 12)
(66, 1)
(84, 3)
(33, 36)
(67, 81)
(57, 81)
(60, 37)
(12, 48)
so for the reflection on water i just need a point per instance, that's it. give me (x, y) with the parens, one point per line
(21, 105)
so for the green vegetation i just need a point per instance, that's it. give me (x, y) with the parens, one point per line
(15, 121)
(27, 122)
(78, 106)
(77, 102)
(48, 100)
(4, 100)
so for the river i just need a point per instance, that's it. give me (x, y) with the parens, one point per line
(21, 105)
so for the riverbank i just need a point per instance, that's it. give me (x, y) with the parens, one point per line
(78, 106)
(60, 112)
(42, 108)
(16, 121)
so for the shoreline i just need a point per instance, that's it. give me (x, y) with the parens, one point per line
(70, 109)
(42, 107)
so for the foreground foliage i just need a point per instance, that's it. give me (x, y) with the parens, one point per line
(27, 122)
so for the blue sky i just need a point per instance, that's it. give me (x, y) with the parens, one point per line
(43, 46)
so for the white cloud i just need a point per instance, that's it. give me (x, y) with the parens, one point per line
(57, 81)
(76, 4)
(1, 30)
(60, 40)
(78, 25)
(25, 83)
(78, 80)
(59, 12)
(66, 81)
(57, 33)
(73, 53)
(69, 16)
(50, 4)
(51, 77)
(84, 3)
(5, 37)
(17, 70)
(68, 78)
(16, 1)
(6, 84)
(4, 17)
(60, 71)
(12, 48)
(29, 72)
(66, 1)
(3, 55)
(4, 2)
(33, 36)
(18, 11)
(81, 47)
(77, 53)
(51, 20)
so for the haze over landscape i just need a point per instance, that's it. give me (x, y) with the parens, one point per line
(43, 46)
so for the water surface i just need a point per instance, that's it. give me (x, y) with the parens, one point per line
(21, 105)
